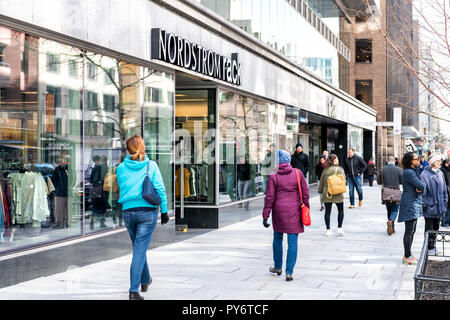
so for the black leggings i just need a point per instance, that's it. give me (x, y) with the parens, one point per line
(340, 207)
(410, 229)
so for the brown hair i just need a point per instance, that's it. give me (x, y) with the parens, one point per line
(330, 160)
(136, 147)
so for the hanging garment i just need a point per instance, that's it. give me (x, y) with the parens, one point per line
(187, 175)
(203, 180)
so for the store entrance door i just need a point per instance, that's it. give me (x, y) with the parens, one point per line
(195, 127)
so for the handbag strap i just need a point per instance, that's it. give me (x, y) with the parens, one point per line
(147, 168)
(299, 186)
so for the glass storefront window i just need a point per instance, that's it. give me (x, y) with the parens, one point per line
(62, 137)
(195, 140)
(40, 158)
(227, 147)
(158, 113)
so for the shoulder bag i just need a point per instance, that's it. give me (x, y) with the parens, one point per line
(389, 194)
(306, 216)
(148, 191)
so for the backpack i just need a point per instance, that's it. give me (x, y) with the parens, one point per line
(336, 184)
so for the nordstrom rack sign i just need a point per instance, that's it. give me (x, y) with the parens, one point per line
(178, 51)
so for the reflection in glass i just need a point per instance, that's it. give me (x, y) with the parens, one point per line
(39, 156)
(227, 143)
(195, 134)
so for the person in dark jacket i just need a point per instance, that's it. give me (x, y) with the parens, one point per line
(332, 168)
(391, 176)
(354, 167)
(446, 171)
(410, 202)
(423, 164)
(60, 181)
(434, 198)
(244, 182)
(283, 200)
(371, 171)
(318, 168)
(300, 160)
(97, 195)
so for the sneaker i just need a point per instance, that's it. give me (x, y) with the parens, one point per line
(275, 270)
(289, 277)
(351, 206)
(360, 203)
(390, 228)
(340, 232)
(329, 233)
(433, 251)
(409, 261)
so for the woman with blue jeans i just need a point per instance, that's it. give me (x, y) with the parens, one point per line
(140, 216)
(283, 200)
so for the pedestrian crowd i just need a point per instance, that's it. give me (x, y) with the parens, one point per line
(425, 193)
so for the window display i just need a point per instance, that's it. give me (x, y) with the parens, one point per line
(64, 113)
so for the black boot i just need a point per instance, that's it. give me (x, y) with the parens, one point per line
(144, 287)
(135, 296)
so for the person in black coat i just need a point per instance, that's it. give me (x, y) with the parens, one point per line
(300, 160)
(445, 168)
(391, 176)
(318, 168)
(354, 167)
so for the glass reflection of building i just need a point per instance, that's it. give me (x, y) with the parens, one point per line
(318, 43)
(64, 114)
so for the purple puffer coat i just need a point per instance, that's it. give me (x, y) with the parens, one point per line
(283, 199)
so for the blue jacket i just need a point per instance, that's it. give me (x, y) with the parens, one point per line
(434, 198)
(130, 177)
(423, 165)
(411, 200)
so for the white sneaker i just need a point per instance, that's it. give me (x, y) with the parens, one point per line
(340, 231)
(329, 233)
(433, 251)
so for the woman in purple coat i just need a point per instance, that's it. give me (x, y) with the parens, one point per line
(283, 199)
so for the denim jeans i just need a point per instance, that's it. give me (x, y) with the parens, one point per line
(392, 211)
(352, 183)
(140, 226)
(291, 252)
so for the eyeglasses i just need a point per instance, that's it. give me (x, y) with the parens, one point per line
(415, 159)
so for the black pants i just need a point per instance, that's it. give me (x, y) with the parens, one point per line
(340, 207)
(431, 224)
(410, 229)
(370, 177)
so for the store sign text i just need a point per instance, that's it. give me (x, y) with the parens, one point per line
(175, 50)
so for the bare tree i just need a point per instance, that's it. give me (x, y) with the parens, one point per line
(417, 38)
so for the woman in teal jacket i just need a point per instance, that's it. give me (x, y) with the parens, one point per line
(410, 202)
(140, 216)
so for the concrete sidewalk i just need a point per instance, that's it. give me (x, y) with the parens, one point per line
(233, 262)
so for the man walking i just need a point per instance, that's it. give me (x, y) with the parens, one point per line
(391, 176)
(300, 160)
(354, 167)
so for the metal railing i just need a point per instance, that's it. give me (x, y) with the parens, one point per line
(428, 286)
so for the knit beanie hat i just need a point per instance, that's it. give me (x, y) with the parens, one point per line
(298, 145)
(434, 158)
(283, 157)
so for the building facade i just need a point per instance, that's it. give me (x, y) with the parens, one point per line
(379, 77)
(214, 87)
